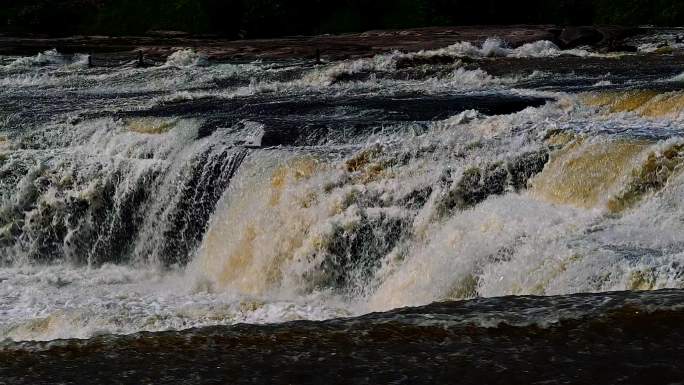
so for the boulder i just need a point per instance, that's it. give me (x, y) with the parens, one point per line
(572, 37)
(607, 38)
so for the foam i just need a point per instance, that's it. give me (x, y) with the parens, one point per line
(47, 303)
(383, 221)
(495, 47)
(48, 58)
(520, 243)
(186, 58)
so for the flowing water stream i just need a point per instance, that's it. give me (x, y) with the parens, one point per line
(197, 194)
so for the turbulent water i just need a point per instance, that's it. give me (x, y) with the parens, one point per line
(196, 194)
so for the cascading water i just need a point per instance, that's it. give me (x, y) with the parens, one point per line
(266, 192)
(87, 202)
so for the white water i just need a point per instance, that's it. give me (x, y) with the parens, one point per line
(64, 302)
(282, 241)
(494, 47)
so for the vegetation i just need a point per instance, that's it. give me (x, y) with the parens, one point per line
(270, 18)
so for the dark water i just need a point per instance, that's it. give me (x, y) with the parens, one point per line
(615, 338)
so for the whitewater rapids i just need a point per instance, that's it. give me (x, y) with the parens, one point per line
(194, 193)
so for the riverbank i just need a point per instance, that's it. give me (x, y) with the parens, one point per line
(330, 47)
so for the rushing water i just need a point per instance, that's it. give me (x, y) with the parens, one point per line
(199, 194)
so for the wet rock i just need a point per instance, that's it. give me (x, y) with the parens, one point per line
(614, 39)
(167, 34)
(408, 62)
(619, 47)
(355, 251)
(479, 183)
(524, 167)
(297, 121)
(607, 38)
(417, 198)
(185, 225)
(572, 37)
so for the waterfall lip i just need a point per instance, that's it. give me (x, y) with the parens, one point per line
(298, 121)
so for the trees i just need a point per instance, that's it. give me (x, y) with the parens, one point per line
(271, 18)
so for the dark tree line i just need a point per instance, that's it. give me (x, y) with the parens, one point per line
(271, 18)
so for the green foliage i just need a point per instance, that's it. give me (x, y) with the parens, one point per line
(270, 18)
(134, 16)
(635, 12)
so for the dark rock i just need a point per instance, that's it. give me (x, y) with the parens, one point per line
(159, 33)
(572, 37)
(608, 38)
(356, 252)
(478, 183)
(616, 47)
(306, 122)
(524, 167)
(417, 198)
(613, 35)
(407, 62)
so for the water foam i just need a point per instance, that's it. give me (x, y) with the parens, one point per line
(186, 58)
(495, 47)
(567, 197)
(520, 243)
(47, 58)
(72, 302)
